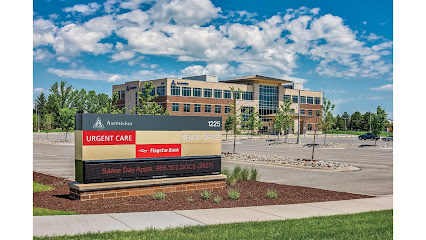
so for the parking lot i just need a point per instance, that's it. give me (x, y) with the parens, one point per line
(374, 178)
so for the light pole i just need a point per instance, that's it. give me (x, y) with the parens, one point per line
(298, 121)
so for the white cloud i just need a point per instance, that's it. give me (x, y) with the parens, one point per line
(40, 55)
(375, 98)
(365, 22)
(124, 55)
(387, 87)
(133, 4)
(84, 9)
(87, 74)
(186, 12)
(38, 90)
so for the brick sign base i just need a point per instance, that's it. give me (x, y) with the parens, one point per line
(146, 187)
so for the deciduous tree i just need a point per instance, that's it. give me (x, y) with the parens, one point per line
(283, 118)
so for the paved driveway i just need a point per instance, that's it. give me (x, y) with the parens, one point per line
(375, 177)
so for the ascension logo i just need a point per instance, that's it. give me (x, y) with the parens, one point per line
(98, 124)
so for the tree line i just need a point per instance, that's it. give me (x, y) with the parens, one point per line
(58, 108)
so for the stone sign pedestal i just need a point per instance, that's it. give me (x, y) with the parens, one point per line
(93, 191)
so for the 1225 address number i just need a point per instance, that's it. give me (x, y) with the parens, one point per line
(214, 123)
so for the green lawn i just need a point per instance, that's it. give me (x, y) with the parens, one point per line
(38, 187)
(44, 212)
(370, 225)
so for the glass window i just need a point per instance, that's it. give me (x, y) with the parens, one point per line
(175, 90)
(302, 111)
(310, 112)
(247, 95)
(217, 108)
(186, 107)
(317, 100)
(309, 127)
(207, 92)
(295, 98)
(286, 97)
(136, 102)
(227, 94)
(318, 113)
(121, 94)
(152, 93)
(268, 101)
(227, 109)
(217, 93)
(237, 95)
(246, 115)
(207, 108)
(175, 107)
(303, 99)
(186, 91)
(197, 108)
(310, 100)
(161, 91)
(196, 92)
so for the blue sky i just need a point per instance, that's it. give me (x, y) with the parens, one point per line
(342, 48)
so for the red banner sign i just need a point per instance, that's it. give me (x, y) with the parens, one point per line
(158, 150)
(108, 137)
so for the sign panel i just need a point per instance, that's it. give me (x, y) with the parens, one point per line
(158, 150)
(117, 143)
(112, 171)
(108, 137)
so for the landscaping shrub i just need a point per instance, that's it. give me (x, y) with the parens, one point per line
(206, 195)
(236, 172)
(244, 174)
(231, 180)
(159, 196)
(190, 200)
(254, 174)
(217, 199)
(272, 194)
(225, 171)
(233, 194)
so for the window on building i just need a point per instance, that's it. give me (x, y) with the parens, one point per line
(152, 93)
(121, 94)
(175, 107)
(186, 107)
(186, 91)
(309, 127)
(295, 98)
(268, 101)
(217, 93)
(161, 91)
(246, 111)
(196, 92)
(207, 108)
(136, 102)
(227, 109)
(310, 100)
(175, 90)
(318, 113)
(303, 99)
(197, 108)
(207, 92)
(317, 100)
(237, 95)
(310, 112)
(302, 111)
(217, 108)
(286, 97)
(247, 95)
(227, 94)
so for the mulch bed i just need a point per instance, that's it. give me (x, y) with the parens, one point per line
(58, 199)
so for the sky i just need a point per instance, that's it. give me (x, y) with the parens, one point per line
(342, 48)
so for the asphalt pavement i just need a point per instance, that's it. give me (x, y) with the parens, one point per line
(374, 178)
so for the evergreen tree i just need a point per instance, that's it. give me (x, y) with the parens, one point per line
(356, 121)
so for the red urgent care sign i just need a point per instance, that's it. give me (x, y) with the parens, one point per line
(158, 150)
(108, 137)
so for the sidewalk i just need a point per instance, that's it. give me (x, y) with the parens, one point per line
(75, 224)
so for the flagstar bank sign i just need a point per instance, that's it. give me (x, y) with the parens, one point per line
(135, 147)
